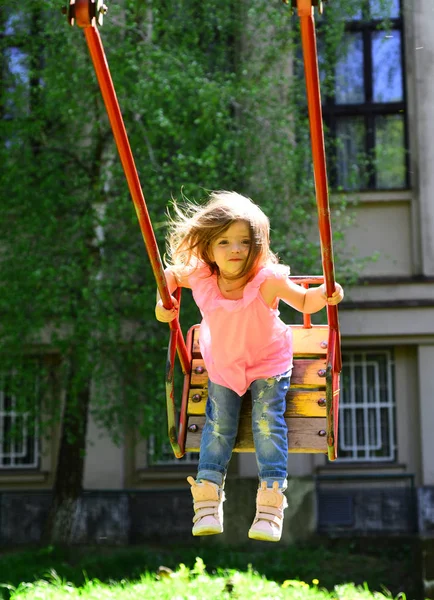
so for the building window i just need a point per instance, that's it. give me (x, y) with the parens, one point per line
(165, 456)
(365, 112)
(367, 408)
(19, 439)
(160, 452)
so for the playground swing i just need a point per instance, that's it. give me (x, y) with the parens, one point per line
(313, 398)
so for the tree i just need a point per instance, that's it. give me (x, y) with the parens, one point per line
(208, 102)
(74, 271)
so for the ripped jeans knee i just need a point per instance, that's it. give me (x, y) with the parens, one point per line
(270, 433)
(268, 427)
(219, 433)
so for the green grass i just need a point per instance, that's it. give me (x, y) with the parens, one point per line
(192, 584)
(348, 569)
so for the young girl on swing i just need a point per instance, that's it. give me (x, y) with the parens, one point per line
(221, 252)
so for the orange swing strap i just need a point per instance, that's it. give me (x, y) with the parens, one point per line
(87, 14)
(310, 56)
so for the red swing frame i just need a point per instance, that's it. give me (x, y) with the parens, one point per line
(87, 14)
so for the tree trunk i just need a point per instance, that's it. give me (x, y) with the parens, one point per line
(68, 485)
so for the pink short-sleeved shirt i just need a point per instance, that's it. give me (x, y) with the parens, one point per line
(241, 340)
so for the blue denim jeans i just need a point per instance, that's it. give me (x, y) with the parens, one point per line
(270, 433)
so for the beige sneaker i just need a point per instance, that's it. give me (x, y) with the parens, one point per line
(270, 504)
(208, 500)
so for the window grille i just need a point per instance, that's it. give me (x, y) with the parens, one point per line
(166, 457)
(367, 408)
(365, 111)
(19, 439)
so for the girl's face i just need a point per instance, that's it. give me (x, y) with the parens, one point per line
(231, 249)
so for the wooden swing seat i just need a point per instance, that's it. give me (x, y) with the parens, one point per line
(306, 399)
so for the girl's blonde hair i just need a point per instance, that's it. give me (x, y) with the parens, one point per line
(194, 228)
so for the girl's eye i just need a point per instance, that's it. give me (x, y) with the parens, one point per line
(246, 242)
(222, 242)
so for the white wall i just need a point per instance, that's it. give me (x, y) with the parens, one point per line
(383, 229)
(104, 466)
(419, 15)
(426, 386)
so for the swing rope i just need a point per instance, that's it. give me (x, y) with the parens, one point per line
(84, 19)
(310, 56)
(313, 93)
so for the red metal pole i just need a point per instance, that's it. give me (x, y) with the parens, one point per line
(112, 106)
(307, 322)
(317, 136)
(310, 56)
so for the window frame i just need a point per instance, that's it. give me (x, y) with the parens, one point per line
(167, 458)
(369, 110)
(29, 439)
(366, 358)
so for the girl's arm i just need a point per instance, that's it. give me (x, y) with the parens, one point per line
(180, 279)
(306, 301)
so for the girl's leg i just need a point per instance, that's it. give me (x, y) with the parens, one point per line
(219, 434)
(270, 433)
(218, 438)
